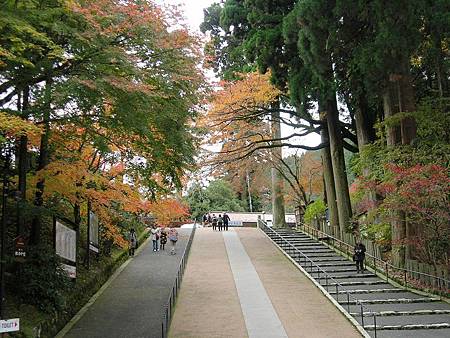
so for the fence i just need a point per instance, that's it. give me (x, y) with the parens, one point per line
(170, 305)
(404, 276)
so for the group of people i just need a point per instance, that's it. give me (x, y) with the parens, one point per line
(159, 238)
(217, 222)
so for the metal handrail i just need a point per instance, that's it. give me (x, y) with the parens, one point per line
(327, 277)
(443, 284)
(170, 304)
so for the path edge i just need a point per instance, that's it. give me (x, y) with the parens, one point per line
(320, 287)
(100, 291)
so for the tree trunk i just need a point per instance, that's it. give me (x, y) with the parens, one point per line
(399, 97)
(338, 162)
(364, 124)
(22, 166)
(330, 192)
(42, 163)
(279, 218)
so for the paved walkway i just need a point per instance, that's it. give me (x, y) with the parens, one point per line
(132, 305)
(215, 299)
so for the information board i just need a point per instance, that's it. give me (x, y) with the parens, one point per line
(93, 232)
(65, 242)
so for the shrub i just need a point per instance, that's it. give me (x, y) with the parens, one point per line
(316, 208)
(42, 282)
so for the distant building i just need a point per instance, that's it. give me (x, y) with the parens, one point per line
(250, 219)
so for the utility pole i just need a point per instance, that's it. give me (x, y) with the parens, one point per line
(248, 190)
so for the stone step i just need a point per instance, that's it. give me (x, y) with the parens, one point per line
(402, 313)
(319, 254)
(392, 301)
(338, 263)
(319, 260)
(367, 275)
(353, 283)
(409, 327)
(371, 291)
(313, 251)
(401, 307)
(387, 295)
(328, 270)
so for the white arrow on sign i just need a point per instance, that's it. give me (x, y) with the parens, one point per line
(9, 325)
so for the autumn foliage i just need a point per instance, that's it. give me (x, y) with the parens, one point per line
(108, 91)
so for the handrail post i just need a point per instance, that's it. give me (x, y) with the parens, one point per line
(375, 324)
(348, 302)
(362, 314)
(387, 272)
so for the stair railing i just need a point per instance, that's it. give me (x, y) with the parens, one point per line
(400, 275)
(290, 249)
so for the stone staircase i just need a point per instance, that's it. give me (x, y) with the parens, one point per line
(399, 313)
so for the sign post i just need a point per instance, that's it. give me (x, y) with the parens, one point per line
(20, 247)
(9, 325)
(88, 251)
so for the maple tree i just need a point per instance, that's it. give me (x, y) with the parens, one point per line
(421, 192)
(111, 88)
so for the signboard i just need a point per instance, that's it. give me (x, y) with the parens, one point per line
(20, 247)
(70, 270)
(93, 232)
(66, 242)
(235, 223)
(9, 325)
(66, 246)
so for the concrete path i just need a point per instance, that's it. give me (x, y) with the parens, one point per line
(209, 305)
(132, 305)
(260, 317)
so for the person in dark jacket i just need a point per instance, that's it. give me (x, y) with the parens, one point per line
(358, 256)
(132, 241)
(226, 219)
(220, 222)
(214, 222)
(163, 239)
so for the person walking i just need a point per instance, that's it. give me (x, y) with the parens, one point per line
(163, 239)
(155, 237)
(132, 241)
(220, 222)
(358, 256)
(205, 220)
(214, 222)
(173, 238)
(226, 219)
(209, 219)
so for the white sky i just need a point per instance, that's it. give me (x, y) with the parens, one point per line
(194, 16)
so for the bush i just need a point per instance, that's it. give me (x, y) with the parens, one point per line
(41, 281)
(316, 208)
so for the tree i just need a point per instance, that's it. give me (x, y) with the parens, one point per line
(217, 196)
(113, 85)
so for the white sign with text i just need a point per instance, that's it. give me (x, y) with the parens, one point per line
(9, 325)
